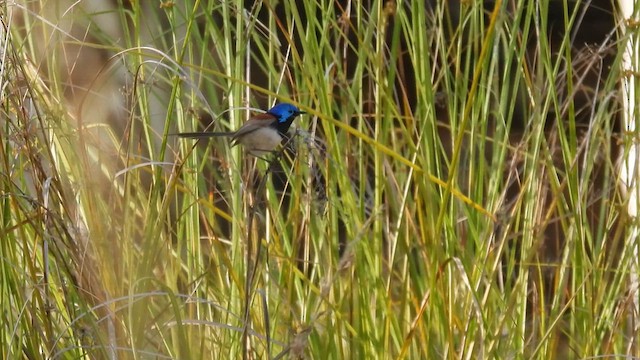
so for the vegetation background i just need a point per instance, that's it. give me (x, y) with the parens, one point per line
(455, 191)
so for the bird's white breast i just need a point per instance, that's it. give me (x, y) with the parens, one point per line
(261, 141)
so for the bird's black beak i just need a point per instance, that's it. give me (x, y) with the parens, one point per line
(301, 112)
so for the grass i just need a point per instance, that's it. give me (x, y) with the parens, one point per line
(454, 193)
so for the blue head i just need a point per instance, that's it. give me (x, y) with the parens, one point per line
(285, 114)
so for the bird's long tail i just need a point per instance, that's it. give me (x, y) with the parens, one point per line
(203, 135)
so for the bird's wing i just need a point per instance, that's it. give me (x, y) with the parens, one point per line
(264, 117)
(256, 122)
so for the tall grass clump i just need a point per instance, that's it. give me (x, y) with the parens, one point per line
(452, 191)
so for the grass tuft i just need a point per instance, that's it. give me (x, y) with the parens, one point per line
(452, 192)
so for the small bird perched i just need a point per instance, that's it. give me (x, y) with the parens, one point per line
(262, 133)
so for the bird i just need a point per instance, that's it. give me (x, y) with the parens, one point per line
(262, 133)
